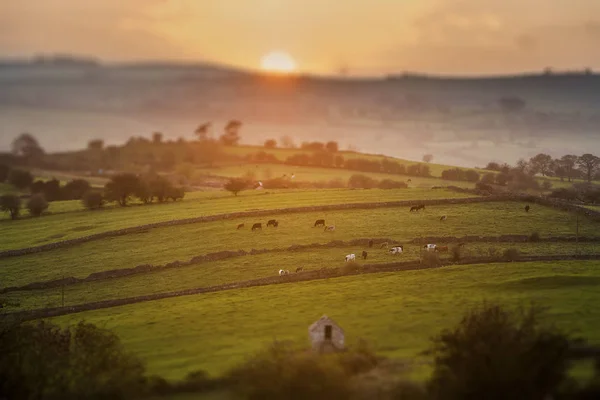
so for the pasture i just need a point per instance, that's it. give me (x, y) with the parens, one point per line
(73, 221)
(167, 244)
(395, 312)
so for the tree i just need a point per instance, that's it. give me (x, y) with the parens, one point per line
(493, 166)
(203, 131)
(270, 144)
(37, 204)
(568, 163)
(236, 185)
(20, 179)
(96, 144)
(92, 200)
(4, 172)
(11, 204)
(332, 146)
(121, 187)
(52, 190)
(541, 163)
(143, 192)
(27, 147)
(339, 161)
(588, 163)
(231, 136)
(488, 178)
(522, 165)
(495, 353)
(428, 158)
(157, 138)
(168, 160)
(75, 189)
(287, 142)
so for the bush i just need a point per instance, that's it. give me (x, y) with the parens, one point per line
(43, 361)
(390, 184)
(37, 204)
(484, 187)
(282, 372)
(511, 254)
(93, 200)
(564, 194)
(75, 189)
(494, 353)
(11, 204)
(534, 237)
(361, 181)
(20, 179)
(236, 185)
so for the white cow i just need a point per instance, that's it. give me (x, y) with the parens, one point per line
(350, 257)
(283, 272)
(396, 250)
(430, 247)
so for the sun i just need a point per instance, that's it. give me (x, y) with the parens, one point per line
(278, 61)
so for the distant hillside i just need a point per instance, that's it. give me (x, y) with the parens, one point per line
(459, 121)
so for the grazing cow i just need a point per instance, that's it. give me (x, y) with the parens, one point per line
(319, 222)
(527, 208)
(384, 244)
(272, 222)
(350, 257)
(240, 226)
(396, 250)
(430, 247)
(299, 269)
(442, 249)
(370, 243)
(364, 255)
(258, 225)
(409, 181)
(330, 228)
(443, 218)
(283, 272)
(414, 208)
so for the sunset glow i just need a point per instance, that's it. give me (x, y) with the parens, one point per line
(278, 61)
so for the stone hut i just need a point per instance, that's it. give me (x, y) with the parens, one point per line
(326, 336)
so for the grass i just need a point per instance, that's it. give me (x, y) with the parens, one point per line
(395, 312)
(68, 225)
(252, 267)
(167, 244)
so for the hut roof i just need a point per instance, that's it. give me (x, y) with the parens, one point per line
(324, 320)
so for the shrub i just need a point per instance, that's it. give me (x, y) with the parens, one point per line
(390, 184)
(11, 204)
(236, 185)
(281, 372)
(37, 204)
(20, 179)
(75, 189)
(534, 237)
(484, 187)
(43, 361)
(564, 194)
(511, 254)
(92, 200)
(361, 181)
(495, 353)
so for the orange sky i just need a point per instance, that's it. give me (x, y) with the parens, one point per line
(365, 36)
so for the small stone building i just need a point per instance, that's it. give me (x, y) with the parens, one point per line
(326, 336)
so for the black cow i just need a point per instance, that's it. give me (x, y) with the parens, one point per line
(370, 243)
(299, 269)
(364, 255)
(258, 225)
(319, 222)
(527, 208)
(240, 226)
(272, 222)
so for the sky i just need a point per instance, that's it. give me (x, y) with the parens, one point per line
(363, 37)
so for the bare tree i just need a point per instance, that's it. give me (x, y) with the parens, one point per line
(568, 164)
(541, 163)
(428, 158)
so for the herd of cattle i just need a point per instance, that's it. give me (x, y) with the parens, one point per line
(397, 249)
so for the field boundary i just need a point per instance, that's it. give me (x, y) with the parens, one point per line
(228, 254)
(592, 214)
(324, 273)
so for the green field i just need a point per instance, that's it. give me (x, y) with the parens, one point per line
(68, 225)
(395, 312)
(167, 244)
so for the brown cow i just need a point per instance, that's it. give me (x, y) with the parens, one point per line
(442, 249)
